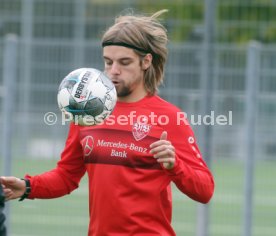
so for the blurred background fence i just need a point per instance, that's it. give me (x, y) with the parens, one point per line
(58, 36)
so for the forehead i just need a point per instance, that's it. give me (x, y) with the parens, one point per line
(118, 52)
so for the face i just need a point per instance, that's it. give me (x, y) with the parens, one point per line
(126, 70)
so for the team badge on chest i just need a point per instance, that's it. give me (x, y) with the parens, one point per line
(140, 130)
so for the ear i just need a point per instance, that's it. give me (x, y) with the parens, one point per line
(147, 61)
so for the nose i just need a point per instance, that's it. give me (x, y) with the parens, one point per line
(115, 70)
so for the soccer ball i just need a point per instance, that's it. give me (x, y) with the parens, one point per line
(87, 96)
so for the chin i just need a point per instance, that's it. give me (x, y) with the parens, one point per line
(123, 93)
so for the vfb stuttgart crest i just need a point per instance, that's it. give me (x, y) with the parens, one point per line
(140, 130)
(87, 145)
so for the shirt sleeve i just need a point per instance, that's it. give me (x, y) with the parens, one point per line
(190, 173)
(66, 176)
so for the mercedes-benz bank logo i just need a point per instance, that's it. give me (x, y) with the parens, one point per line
(88, 144)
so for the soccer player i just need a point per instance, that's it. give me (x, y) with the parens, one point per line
(130, 164)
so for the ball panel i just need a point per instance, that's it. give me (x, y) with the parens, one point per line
(63, 97)
(94, 107)
(97, 89)
(68, 83)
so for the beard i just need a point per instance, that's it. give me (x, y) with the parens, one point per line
(123, 91)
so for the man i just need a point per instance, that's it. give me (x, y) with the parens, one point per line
(2, 216)
(130, 166)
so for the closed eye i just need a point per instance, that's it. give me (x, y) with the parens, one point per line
(125, 62)
(108, 62)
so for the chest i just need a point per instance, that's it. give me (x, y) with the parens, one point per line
(121, 142)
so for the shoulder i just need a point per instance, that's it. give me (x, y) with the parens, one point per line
(167, 113)
(165, 106)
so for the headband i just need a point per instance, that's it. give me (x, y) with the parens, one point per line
(110, 43)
